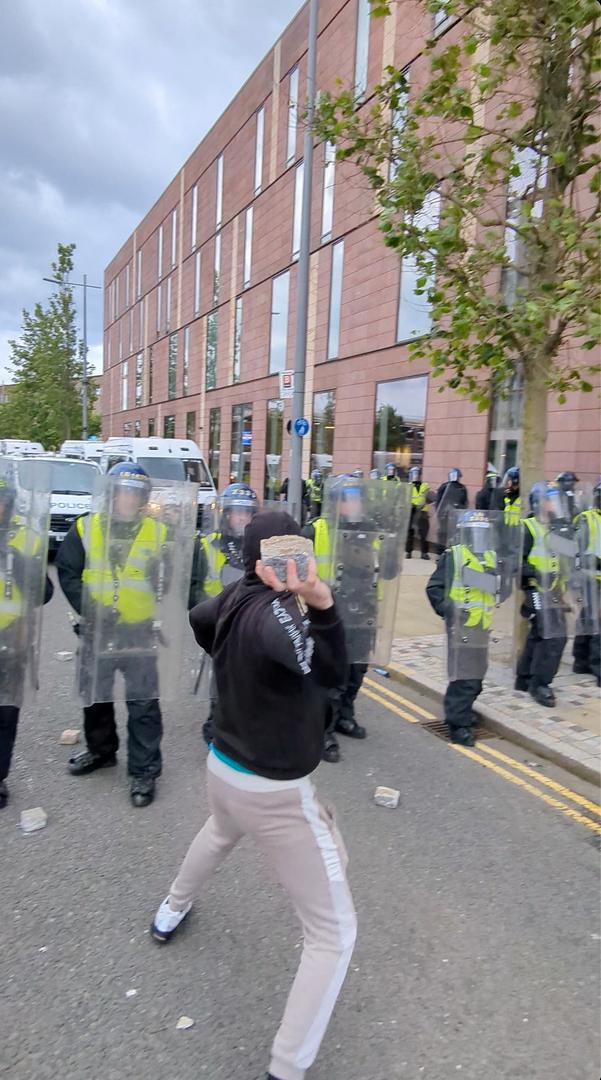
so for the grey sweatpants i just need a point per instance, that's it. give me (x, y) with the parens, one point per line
(298, 835)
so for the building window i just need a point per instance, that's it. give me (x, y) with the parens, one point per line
(117, 295)
(139, 273)
(131, 331)
(186, 371)
(120, 340)
(335, 299)
(329, 178)
(139, 378)
(172, 368)
(150, 375)
(399, 423)
(141, 323)
(259, 149)
(194, 229)
(168, 305)
(242, 436)
(280, 290)
(160, 254)
(159, 306)
(173, 237)
(216, 269)
(521, 204)
(214, 444)
(292, 116)
(248, 246)
(197, 266)
(127, 286)
(124, 385)
(191, 425)
(362, 48)
(237, 341)
(219, 196)
(273, 448)
(168, 427)
(151, 428)
(398, 121)
(299, 174)
(137, 428)
(322, 432)
(211, 353)
(441, 19)
(415, 316)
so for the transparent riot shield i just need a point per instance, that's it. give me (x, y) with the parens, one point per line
(136, 584)
(364, 533)
(585, 584)
(551, 568)
(24, 524)
(481, 593)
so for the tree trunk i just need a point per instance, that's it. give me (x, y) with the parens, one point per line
(534, 426)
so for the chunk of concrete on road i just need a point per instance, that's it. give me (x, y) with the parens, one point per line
(387, 796)
(184, 1023)
(70, 737)
(33, 820)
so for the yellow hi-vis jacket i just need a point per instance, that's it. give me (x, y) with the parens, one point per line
(478, 604)
(126, 589)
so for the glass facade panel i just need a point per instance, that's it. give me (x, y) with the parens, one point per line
(172, 368)
(292, 116)
(211, 354)
(273, 448)
(214, 444)
(280, 291)
(400, 423)
(241, 445)
(248, 246)
(139, 378)
(237, 359)
(415, 316)
(362, 48)
(186, 366)
(322, 431)
(335, 299)
(191, 425)
(259, 150)
(299, 174)
(169, 427)
(329, 179)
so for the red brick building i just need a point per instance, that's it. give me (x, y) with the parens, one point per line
(200, 301)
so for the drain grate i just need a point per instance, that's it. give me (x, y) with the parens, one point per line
(439, 728)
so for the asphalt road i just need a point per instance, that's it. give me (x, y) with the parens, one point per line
(478, 905)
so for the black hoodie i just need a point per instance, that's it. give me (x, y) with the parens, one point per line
(273, 663)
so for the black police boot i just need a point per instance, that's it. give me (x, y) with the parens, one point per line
(426, 556)
(463, 736)
(3, 794)
(349, 726)
(142, 790)
(87, 762)
(521, 683)
(543, 695)
(408, 554)
(331, 749)
(580, 668)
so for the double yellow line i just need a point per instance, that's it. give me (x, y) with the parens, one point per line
(488, 757)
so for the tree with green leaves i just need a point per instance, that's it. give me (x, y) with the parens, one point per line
(486, 181)
(44, 403)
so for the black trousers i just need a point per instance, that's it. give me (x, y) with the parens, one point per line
(458, 701)
(144, 721)
(341, 700)
(541, 656)
(467, 660)
(9, 718)
(587, 652)
(419, 523)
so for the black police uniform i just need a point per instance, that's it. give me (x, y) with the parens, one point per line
(540, 659)
(450, 495)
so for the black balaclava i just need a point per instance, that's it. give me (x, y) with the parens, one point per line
(264, 525)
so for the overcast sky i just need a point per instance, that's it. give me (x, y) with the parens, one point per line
(101, 101)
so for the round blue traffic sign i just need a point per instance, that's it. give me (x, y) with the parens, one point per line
(301, 426)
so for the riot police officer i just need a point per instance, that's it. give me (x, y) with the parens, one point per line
(22, 588)
(221, 558)
(315, 492)
(545, 574)
(452, 495)
(419, 521)
(113, 575)
(485, 498)
(508, 499)
(464, 590)
(587, 641)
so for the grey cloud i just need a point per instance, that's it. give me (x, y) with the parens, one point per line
(100, 102)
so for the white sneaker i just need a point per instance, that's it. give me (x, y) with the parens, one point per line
(166, 921)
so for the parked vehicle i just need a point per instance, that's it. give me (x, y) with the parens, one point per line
(22, 447)
(72, 484)
(164, 459)
(82, 449)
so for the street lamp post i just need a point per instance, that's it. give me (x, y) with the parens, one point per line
(84, 389)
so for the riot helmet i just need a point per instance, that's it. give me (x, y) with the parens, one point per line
(238, 503)
(415, 474)
(374, 474)
(358, 473)
(475, 531)
(566, 482)
(316, 476)
(511, 480)
(557, 505)
(536, 495)
(492, 478)
(349, 492)
(455, 475)
(390, 470)
(130, 489)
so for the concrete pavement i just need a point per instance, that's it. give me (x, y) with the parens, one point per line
(478, 914)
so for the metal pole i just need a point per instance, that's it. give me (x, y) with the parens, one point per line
(84, 393)
(295, 487)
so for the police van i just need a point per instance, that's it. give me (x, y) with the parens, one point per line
(164, 459)
(72, 486)
(20, 447)
(82, 449)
